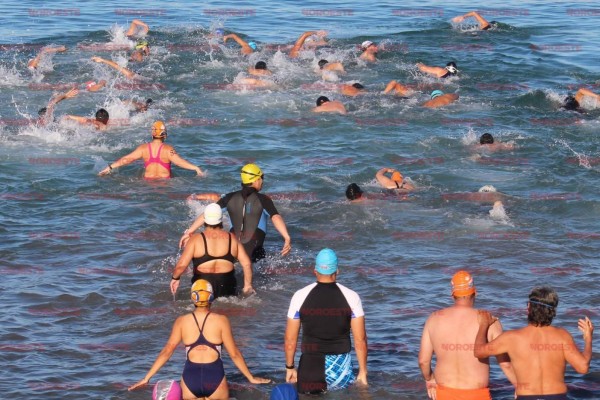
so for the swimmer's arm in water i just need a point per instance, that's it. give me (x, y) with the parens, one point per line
(235, 354)
(298, 45)
(180, 162)
(437, 71)
(135, 24)
(292, 330)
(214, 197)
(33, 64)
(359, 337)
(181, 266)
(128, 73)
(279, 224)
(246, 49)
(128, 159)
(483, 24)
(164, 355)
(243, 258)
(384, 180)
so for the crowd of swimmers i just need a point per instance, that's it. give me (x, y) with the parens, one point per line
(533, 358)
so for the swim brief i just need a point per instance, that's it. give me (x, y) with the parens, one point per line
(560, 396)
(446, 393)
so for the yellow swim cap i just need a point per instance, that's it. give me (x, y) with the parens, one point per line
(250, 173)
(159, 130)
(202, 293)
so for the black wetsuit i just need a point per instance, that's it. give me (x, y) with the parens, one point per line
(249, 211)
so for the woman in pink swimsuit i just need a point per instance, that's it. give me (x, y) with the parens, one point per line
(157, 156)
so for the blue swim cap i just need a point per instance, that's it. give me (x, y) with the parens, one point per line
(219, 31)
(326, 262)
(252, 45)
(284, 391)
(436, 93)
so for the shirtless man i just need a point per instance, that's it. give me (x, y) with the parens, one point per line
(583, 96)
(448, 333)
(396, 182)
(300, 42)
(34, 62)
(328, 106)
(247, 47)
(439, 72)
(325, 65)
(369, 51)
(538, 352)
(398, 89)
(486, 142)
(260, 69)
(352, 90)
(440, 99)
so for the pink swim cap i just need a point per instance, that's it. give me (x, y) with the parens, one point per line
(89, 84)
(167, 390)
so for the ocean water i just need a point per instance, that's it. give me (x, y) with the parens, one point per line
(87, 260)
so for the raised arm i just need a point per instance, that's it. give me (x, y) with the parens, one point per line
(128, 159)
(235, 353)
(57, 99)
(246, 49)
(292, 330)
(384, 180)
(180, 162)
(580, 361)
(127, 73)
(135, 24)
(243, 258)
(483, 24)
(279, 224)
(359, 335)
(33, 64)
(164, 354)
(299, 43)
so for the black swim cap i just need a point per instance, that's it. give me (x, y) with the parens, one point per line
(358, 86)
(353, 192)
(486, 138)
(260, 65)
(322, 63)
(451, 67)
(571, 103)
(322, 100)
(42, 111)
(148, 102)
(102, 116)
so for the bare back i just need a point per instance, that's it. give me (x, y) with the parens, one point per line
(452, 333)
(154, 169)
(217, 241)
(212, 332)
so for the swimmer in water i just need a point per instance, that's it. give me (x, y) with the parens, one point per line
(440, 99)
(247, 47)
(295, 51)
(352, 90)
(156, 161)
(138, 105)
(141, 50)
(369, 51)
(129, 74)
(354, 192)
(93, 86)
(34, 63)
(396, 182)
(483, 24)
(486, 142)
(325, 65)
(46, 114)
(100, 120)
(485, 194)
(137, 29)
(439, 72)
(583, 96)
(260, 69)
(324, 105)
(398, 88)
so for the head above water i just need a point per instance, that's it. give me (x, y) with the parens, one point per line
(366, 44)
(202, 293)
(213, 214)
(260, 65)
(487, 189)
(42, 111)
(250, 173)
(322, 100)
(159, 130)
(570, 103)
(326, 262)
(436, 93)
(253, 45)
(486, 138)
(141, 44)
(102, 116)
(358, 86)
(219, 31)
(451, 67)
(542, 306)
(353, 192)
(462, 285)
(322, 63)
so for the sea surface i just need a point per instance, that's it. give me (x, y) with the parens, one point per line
(86, 260)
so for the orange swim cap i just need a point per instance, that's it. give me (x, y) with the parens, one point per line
(462, 284)
(159, 130)
(397, 176)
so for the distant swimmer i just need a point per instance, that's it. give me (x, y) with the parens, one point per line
(327, 312)
(354, 192)
(398, 89)
(249, 212)
(352, 90)
(46, 114)
(203, 333)
(157, 156)
(139, 106)
(202, 250)
(247, 47)
(324, 105)
(129, 74)
(487, 142)
(34, 63)
(137, 29)
(259, 69)
(447, 334)
(356, 195)
(396, 182)
(325, 65)
(252, 83)
(483, 24)
(440, 99)
(369, 51)
(298, 46)
(439, 72)
(485, 194)
(582, 97)
(141, 50)
(538, 352)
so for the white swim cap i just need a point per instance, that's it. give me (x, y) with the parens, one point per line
(487, 189)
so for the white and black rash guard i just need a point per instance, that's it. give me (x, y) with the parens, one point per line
(325, 311)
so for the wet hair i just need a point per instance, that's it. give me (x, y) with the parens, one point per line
(42, 111)
(260, 65)
(102, 116)
(322, 63)
(219, 225)
(322, 100)
(542, 306)
(358, 86)
(148, 102)
(353, 192)
(486, 138)
(452, 64)
(570, 103)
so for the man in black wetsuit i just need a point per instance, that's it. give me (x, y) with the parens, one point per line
(327, 312)
(248, 211)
